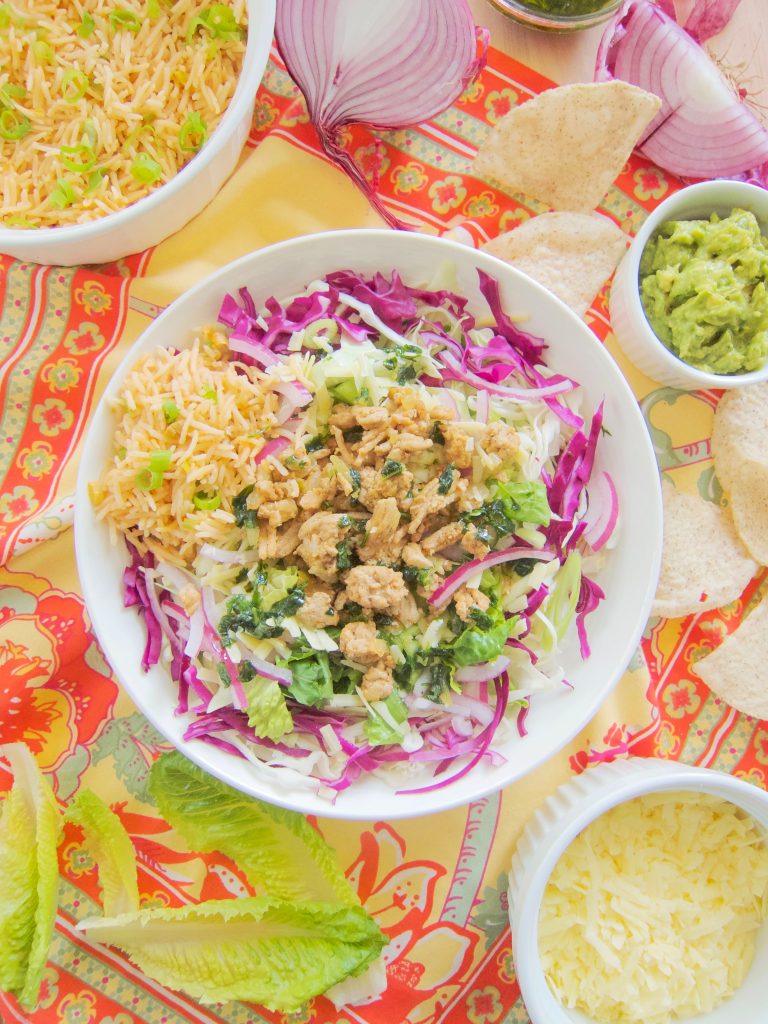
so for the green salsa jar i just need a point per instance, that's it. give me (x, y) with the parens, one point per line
(558, 15)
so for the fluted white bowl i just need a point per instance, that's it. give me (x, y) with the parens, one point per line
(566, 813)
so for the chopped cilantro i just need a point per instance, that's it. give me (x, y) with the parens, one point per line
(354, 435)
(445, 481)
(343, 556)
(314, 444)
(244, 517)
(392, 468)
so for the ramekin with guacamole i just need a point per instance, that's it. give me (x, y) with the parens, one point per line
(704, 290)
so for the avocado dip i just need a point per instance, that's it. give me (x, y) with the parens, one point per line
(704, 289)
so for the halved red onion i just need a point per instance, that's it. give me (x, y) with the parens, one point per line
(703, 130)
(384, 65)
(455, 371)
(443, 594)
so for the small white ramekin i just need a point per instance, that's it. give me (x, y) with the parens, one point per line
(167, 209)
(628, 319)
(557, 823)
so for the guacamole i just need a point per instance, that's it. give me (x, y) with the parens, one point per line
(704, 289)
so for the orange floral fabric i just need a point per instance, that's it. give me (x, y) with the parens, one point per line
(442, 905)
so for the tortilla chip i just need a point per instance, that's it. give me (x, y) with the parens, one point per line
(738, 670)
(749, 507)
(703, 563)
(571, 254)
(567, 146)
(739, 431)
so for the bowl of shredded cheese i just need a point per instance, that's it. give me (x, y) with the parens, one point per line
(119, 123)
(639, 894)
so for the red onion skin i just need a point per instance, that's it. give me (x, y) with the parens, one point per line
(645, 47)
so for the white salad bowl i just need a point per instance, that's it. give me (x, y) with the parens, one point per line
(168, 208)
(629, 576)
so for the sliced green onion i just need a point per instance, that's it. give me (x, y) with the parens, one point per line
(86, 26)
(211, 394)
(170, 411)
(80, 158)
(14, 125)
(95, 178)
(63, 195)
(206, 502)
(17, 222)
(42, 52)
(89, 133)
(73, 85)
(127, 21)
(6, 16)
(9, 93)
(145, 169)
(122, 452)
(146, 480)
(159, 461)
(193, 134)
(153, 9)
(320, 333)
(218, 21)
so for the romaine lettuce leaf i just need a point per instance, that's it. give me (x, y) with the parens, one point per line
(30, 830)
(268, 714)
(485, 640)
(112, 851)
(278, 850)
(275, 952)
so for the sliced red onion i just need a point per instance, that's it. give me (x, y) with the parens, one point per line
(295, 396)
(273, 447)
(455, 371)
(603, 511)
(270, 671)
(196, 629)
(384, 65)
(443, 594)
(482, 673)
(257, 352)
(703, 130)
(228, 557)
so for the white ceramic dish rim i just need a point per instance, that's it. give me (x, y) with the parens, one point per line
(693, 200)
(646, 775)
(383, 801)
(261, 13)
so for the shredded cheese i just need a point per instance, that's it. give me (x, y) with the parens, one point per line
(653, 911)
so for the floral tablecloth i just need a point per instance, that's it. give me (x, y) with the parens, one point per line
(443, 905)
